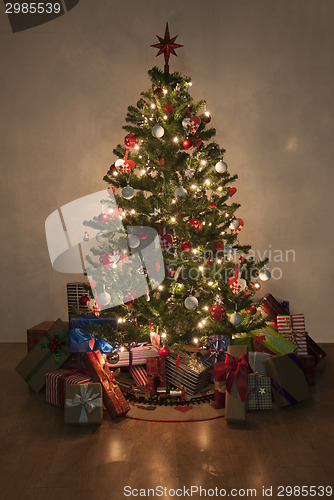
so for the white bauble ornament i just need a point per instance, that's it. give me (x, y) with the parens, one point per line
(221, 167)
(191, 303)
(134, 242)
(104, 298)
(119, 162)
(128, 192)
(158, 131)
(180, 192)
(235, 224)
(264, 274)
(235, 319)
(186, 122)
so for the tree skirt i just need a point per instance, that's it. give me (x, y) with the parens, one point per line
(185, 413)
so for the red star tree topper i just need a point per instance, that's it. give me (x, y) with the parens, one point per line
(167, 47)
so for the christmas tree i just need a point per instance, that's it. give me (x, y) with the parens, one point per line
(170, 176)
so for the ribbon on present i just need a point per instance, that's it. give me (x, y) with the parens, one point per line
(293, 328)
(236, 370)
(88, 402)
(81, 340)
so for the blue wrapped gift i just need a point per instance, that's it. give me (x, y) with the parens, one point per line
(85, 320)
(79, 340)
(218, 348)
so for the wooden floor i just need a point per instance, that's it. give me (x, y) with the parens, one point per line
(43, 459)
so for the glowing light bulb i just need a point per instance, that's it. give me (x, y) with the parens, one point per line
(207, 113)
(203, 321)
(160, 287)
(219, 188)
(201, 268)
(207, 182)
(173, 200)
(152, 106)
(203, 223)
(205, 308)
(165, 91)
(194, 186)
(223, 232)
(219, 261)
(133, 211)
(115, 173)
(173, 219)
(143, 171)
(210, 223)
(190, 84)
(200, 324)
(176, 139)
(210, 283)
(203, 162)
(122, 349)
(136, 147)
(195, 250)
(195, 340)
(163, 335)
(165, 117)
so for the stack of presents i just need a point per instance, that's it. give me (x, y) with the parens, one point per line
(249, 371)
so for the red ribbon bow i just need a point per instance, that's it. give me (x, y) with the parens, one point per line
(236, 372)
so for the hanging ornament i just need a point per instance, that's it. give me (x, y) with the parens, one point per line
(166, 242)
(141, 233)
(195, 123)
(256, 286)
(206, 118)
(158, 131)
(112, 169)
(217, 312)
(237, 231)
(104, 298)
(85, 236)
(177, 87)
(231, 191)
(141, 104)
(264, 274)
(113, 357)
(237, 284)
(101, 236)
(180, 191)
(235, 319)
(221, 167)
(242, 260)
(133, 241)
(164, 351)
(83, 301)
(189, 173)
(187, 143)
(186, 122)
(169, 109)
(196, 224)
(251, 310)
(191, 303)
(185, 246)
(128, 192)
(219, 245)
(109, 259)
(161, 193)
(171, 271)
(126, 165)
(198, 143)
(234, 224)
(111, 190)
(103, 218)
(156, 212)
(129, 299)
(131, 141)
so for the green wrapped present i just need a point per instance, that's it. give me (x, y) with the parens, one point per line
(244, 339)
(273, 341)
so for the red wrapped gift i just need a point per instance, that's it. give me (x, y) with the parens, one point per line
(114, 401)
(219, 372)
(271, 307)
(293, 328)
(139, 374)
(156, 373)
(57, 381)
(308, 366)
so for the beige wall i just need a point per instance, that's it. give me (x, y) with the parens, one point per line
(266, 70)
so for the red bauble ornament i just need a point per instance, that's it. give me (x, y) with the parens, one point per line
(219, 245)
(103, 218)
(141, 233)
(185, 246)
(107, 259)
(206, 118)
(128, 300)
(196, 224)
(84, 299)
(131, 141)
(188, 143)
(251, 310)
(164, 352)
(217, 313)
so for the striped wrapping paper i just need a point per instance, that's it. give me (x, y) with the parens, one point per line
(57, 381)
(137, 355)
(293, 328)
(139, 374)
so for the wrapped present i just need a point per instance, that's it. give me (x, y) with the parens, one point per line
(243, 339)
(90, 321)
(135, 354)
(259, 397)
(287, 379)
(237, 369)
(156, 373)
(273, 341)
(57, 381)
(115, 403)
(186, 370)
(79, 340)
(35, 333)
(217, 348)
(139, 374)
(315, 350)
(272, 307)
(293, 328)
(83, 404)
(48, 355)
(308, 367)
(219, 373)
(255, 359)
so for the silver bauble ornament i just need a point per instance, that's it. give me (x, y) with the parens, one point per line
(128, 192)
(134, 242)
(221, 167)
(235, 224)
(180, 192)
(104, 298)
(158, 131)
(264, 275)
(235, 319)
(191, 303)
(113, 357)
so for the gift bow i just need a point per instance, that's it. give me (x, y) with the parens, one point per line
(236, 372)
(88, 402)
(57, 351)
